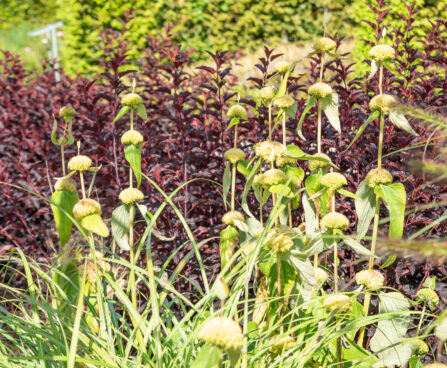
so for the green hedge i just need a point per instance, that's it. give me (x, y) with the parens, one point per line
(16, 12)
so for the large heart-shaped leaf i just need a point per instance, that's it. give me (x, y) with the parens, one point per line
(66, 201)
(132, 153)
(395, 197)
(399, 120)
(330, 107)
(121, 226)
(365, 208)
(208, 357)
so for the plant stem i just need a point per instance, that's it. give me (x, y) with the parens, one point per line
(284, 128)
(374, 235)
(278, 271)
(366, 303)
(260, 206)
(235, 136)
(335, 267)
(381, 128)
(380, 78)
(63, 160)
(81, 175)
(233, 185)
(270, 121)
(319, 128)
(133, 289)
(421, 319)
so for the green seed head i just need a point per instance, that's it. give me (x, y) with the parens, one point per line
(229, 217)
(334, 221)
(318, 164)
(269, 151)
(428, 296)
(282, 67)
(237, 111)
(132, 137)
(372, 280)
(222, 332)
(333, 181)
(79, 163)
(381, 53)
(337, 301)
(273, 177)
(321, 275)
(267, 93)
(280, 239)
(283, 102)
(86, 207)
(131, 195)
(378, 176)
(285, 161)
(282, 345)
(132, 100)
(319, 90)
(421, 347)
(69, 185)
(234, 155)
(383, 103)
(324, 44)
(67, 112)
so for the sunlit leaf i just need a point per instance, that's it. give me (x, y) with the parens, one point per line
(309, 105)
(124, 110)
(132, 153)
(365, 208)
(399, 120)
(330, 107)
(394, 197)
(66, 201)
(121, 225)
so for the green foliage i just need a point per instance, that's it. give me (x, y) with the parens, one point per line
(38, 12)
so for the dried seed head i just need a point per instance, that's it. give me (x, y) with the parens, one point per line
(267, 93)
(318, 164)
(372, 280)
(131, 195)
(428, 296)
(337, 301)
(269, 151)
(283, 344)
(132, 137)
(283, 102)
(285, 161)
(321, 275)
(441, 329)
(380, 53)
(420, 346)
(237, 111)
(282, 67)
(68, 185)
(229, 217)
(383, 103)
(319, 90)
(222, 332)
(324, 44)
(273, 177)
(378, 176)
(234, 155)
(67, 112)
(280, 239)
(333, 180)
(132, 100)
(334, 221)
(86, 207)
(79, 163)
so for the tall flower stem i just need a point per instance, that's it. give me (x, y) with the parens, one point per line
(284, 128)
(421, 318)
(278, 278)
(233, 185)
(133, 289)
(270, 121)
(335, 267)
(319, 127)
(81, 175)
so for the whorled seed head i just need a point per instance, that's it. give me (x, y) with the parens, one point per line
(69, 185)
(237, 111)
(282, 67)
(273, 177)
(131, 195)
(321, 275)
(269, 151)
(222, 332)
(428, 296)
(283, 344)
(286, 161)
(267, 93)
(132, 137)
(337, 301)
(79, 163)
(319, 90)
(280, 239)
(234, 155)
(67, 112)
(378, 176)
(324, 44)
(334, 221)
(381, 53)
(229, 217)
(383, 103)
(372, 280)
(420, 346)
(132, 100)
(333, 180)
(86, 207)
(257, 180)
(283, 102)
(319, 164)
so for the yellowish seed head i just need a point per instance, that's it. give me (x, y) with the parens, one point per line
(428, 296)
(378, 176)
(269, 151)
(68, 185)
(333, 180)
(318, 164)
(283, 344)
(320, 90)
(372, 280)
(86, 207)
(131, 195)
(383, 103)
(285, 161)
(381, 53)
(67, 112)
(282, 67)
(234, 155)
(324, 44)
(283, 102)
(229, 217)
(420, 346)
(334, 221)
(132, 137)
(280, 239)
(79, 163)
(321, 275)
(237, 111)
(435, 365)
(267, 93)
(273, 177)
(132, 100)
(337, 301)
(222, 332)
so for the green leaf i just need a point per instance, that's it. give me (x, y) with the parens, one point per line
(124, 110)
(121, 225)
(415, 362)
(233, 122)
(294, 151)
(389, 261)
(243, 168)
(365, 208)
(248, 185)
(283, 87)
(54, 132)
(291, 111)
(394, 197)
(208, 357)
(70, 139)
(282, 189)
(309, 105)
(399, 120)
(95, 224)
(295, 173)
(313, 183)
(330, 107)
(310, 215)
(226, 183)
(371, 117)
(357, 247)
(132, 153)
(141, 111)
(288, 275)
(430, 283)
(233, 357)
(347, 193)
(66, 201)
(374, 69)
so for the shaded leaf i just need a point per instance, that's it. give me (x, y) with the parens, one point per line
(132, 153)
(66, 201)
